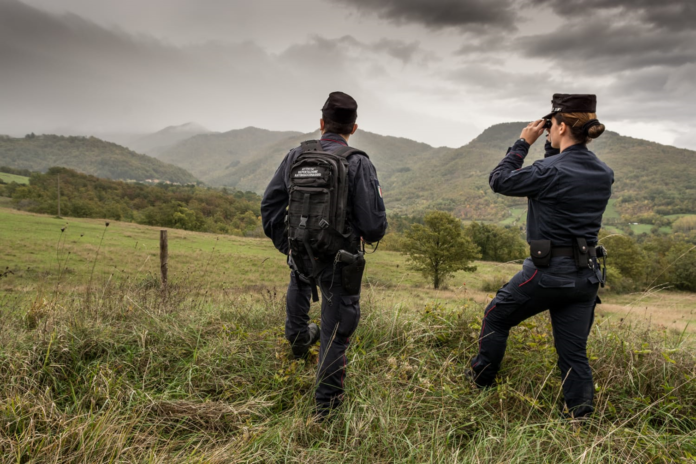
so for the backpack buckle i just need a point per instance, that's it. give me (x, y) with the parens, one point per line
(303, 222)
(323, 224)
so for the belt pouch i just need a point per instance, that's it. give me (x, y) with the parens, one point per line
(351, 277)
(540, 250)
(581, 252)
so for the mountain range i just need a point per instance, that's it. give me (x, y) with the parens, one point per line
(153, 144)
(650, 178)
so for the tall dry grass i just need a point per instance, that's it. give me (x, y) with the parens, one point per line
(126, 374)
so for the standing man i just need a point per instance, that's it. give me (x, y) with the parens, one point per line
(567, 194)
(322, 201)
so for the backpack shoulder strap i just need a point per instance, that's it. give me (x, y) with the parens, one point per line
(345, 152)
(310, 145)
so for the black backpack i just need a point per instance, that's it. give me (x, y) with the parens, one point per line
(317, 226)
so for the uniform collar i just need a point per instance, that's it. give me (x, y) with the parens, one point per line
(576, 147)
(335, 138)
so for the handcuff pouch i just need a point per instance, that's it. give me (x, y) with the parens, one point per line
(540, 250)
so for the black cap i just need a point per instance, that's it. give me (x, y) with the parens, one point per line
(572, 103)
(340, 108)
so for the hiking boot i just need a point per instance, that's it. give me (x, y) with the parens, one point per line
(300, 350)
(472, 376)
(578, 413)
(327, 411)
(321, 415)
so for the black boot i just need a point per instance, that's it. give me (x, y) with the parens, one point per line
(474, 378)
(300, 350)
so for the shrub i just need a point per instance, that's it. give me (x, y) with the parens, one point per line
(493, 283)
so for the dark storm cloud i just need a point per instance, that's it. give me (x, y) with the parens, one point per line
(608, 36)
(435, 14)
(499, 59)
(323, 51)
(641, 52)
(655, 94)
(668, 14)
(603, 46)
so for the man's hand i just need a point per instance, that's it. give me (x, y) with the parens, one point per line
(533, 131)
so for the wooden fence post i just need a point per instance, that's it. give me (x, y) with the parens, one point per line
(58, 195)
(164, 257)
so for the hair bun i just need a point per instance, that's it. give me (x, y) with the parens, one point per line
(595, 131)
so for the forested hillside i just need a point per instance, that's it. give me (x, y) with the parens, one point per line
(88, 155)
(652, 180)
(186, 207)
(247, 158)
(218, 159)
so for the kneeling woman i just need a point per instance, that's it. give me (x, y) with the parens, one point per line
(567, 194)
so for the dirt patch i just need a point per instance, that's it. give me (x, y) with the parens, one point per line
(671, 317)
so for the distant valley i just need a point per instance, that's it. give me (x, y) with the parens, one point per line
(153, 144)
(652, 180)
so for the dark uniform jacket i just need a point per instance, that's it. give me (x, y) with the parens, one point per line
(366, 212)
(568, 191)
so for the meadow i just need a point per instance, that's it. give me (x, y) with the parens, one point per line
(7, 178)
(98, 364)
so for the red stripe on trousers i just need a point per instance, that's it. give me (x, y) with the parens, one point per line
(530, 279)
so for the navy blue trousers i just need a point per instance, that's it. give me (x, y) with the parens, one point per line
(340, 314)
(570, 295)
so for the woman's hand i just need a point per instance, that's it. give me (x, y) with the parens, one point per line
(533, 131)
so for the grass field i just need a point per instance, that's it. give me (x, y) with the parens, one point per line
(613, 230)
(101, 366)
(677, 216)
(641, 228)
(7, 178)
(611, 212)
(518, 216)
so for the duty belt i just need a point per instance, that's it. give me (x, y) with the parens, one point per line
(568, 251)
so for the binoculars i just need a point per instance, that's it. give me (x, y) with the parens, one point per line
(547, 124)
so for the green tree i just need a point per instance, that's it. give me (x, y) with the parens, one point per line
(497, 243)
(187, 219)
(438, 248)
(685, 224)
(682, 258)
(626, 259)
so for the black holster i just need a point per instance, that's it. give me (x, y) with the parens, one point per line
(351, 276)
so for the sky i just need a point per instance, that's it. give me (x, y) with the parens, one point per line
(436, 71)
